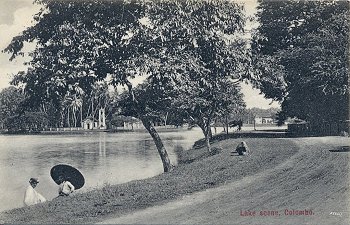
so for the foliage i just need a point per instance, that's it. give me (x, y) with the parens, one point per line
(301, 50)
(203, 105)
(100, 97)
(18, 117)
(153, 101)
(68, 52)
(205, 37)
(270, 112)
(27, 122)
(188, 102)
(10, 100)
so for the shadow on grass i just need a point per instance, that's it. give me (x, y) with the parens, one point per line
(255, 134)
(187, 157)
(341, 149)
(236, 154)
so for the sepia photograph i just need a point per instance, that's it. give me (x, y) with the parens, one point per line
(175, 112)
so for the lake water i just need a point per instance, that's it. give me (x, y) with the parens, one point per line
(103, 158)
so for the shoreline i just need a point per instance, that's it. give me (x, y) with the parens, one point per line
(281, 173)
(82, 131)
(204, 172)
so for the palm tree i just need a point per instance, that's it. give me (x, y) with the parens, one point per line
(67, 101)
(76, 104)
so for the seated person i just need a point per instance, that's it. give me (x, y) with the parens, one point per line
(65, 188)
(31, 196)
(242, 148)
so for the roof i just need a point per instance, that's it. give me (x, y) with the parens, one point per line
(264, 116)
(89, 120)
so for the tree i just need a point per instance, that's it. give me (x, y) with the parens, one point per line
(27, 122)
(72, 104)
(10, 100)
(100, 97)
(83, 42)
(301, 57)
(207, 40)
(202, 106)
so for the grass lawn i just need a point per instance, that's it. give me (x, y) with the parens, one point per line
(202, 171)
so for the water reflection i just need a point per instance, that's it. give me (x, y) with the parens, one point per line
(102, 157)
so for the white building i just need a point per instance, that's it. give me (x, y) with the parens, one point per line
(90, 124)
(263, 120)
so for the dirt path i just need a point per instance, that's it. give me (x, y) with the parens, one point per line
(313, 179)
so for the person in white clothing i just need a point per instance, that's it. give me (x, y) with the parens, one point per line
(31, 196)
(65, 188)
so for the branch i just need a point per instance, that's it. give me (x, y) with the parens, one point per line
(131, 91)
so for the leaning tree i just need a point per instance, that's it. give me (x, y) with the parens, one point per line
(83, 42)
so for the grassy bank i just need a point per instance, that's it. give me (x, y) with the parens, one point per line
(201, 171)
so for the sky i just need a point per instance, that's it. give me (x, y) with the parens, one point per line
(16, 15)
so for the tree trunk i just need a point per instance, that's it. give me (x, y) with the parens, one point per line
(207, 143)
(75, 118)
(210, 133)
(61, 122)
(81, 115)
(68, 120)
(159, 144)
(226, 124)
(254, 123)
(149, 127)
(92, 111)
(206, 131)
(165, 119)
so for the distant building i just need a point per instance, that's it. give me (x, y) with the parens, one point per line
(133, 124)
(264, 120)
(90, 124)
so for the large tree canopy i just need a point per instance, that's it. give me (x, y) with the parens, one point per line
(82, 42)
(301, 51)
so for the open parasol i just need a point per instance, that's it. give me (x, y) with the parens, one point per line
(68, 173)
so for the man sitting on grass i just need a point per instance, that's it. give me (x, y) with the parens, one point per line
(242, 148)
(31, 196)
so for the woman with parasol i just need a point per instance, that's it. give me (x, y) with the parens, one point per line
(68, 178)
(65, 188)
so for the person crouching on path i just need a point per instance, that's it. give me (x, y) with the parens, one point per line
(31, 196)
(65, 188)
